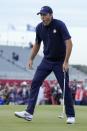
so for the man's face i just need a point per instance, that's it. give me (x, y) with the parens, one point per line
(46, 18)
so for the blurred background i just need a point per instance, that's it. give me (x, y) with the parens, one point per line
(18, 20)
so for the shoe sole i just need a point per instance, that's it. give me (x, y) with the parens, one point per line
(70, 123)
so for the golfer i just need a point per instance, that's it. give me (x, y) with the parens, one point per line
(57, 50)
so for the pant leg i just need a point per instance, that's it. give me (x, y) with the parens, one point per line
(69, 108)
(42, 72)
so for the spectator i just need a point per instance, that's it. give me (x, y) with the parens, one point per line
(79, 94)
(56, 94)
(15, 56)
(73, 87)
(40, 99)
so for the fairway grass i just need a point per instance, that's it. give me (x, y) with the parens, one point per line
(45, 119)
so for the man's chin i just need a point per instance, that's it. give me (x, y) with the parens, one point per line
(45, 24)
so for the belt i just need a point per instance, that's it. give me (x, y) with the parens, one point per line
(54, 59)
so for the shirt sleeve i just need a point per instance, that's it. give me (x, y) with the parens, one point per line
(64, 31)
(38, 39)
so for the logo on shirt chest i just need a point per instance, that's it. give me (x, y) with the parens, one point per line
(54, 31)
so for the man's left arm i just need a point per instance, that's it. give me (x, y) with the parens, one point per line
(68, 53)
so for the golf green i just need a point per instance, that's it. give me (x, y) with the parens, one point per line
(45, 119)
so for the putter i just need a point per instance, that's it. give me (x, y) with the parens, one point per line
(63, 106)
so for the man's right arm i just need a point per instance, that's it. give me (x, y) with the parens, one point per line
(34, 52)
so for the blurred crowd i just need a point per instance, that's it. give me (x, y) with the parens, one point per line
(79, 92)
(49, 93)
(14, 93)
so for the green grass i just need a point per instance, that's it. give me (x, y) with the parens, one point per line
(45, 119)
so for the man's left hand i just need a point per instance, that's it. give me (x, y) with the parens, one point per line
(65, 66)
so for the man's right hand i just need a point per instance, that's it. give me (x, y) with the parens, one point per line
(34, 52)
(30, 64)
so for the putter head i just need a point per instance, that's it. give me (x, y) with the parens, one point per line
(61, 116)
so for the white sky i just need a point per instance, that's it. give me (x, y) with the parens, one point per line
(72, 12)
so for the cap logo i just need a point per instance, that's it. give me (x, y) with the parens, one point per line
(54, 31)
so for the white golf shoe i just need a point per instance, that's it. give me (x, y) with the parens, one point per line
(70, 120)
(25, 115)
